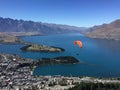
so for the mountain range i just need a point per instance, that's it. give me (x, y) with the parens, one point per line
(10, 25)
(21, 27)
(105, 31)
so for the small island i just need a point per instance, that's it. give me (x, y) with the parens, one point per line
(41, 48)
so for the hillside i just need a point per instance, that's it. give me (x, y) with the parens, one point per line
(105, 31)
(14, 26)
(5, 38)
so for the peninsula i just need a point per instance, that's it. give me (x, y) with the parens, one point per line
(49, 61)
(9, 39)
(16, 73)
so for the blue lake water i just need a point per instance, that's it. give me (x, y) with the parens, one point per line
(100, 58)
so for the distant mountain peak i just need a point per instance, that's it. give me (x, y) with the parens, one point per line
(14, 25)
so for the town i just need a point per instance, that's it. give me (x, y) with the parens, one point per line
(14, 77)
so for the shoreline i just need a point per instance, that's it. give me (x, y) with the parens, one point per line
(29, 45)
(36, 62)
(20, 77)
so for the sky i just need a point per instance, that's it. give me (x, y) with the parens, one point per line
(82, 13)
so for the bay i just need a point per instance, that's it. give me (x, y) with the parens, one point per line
(99, 58)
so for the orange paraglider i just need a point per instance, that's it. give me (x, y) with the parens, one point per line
(79, 43)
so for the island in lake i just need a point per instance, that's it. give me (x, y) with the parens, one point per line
(41, 48)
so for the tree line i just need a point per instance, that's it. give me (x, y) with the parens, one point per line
(96, 86)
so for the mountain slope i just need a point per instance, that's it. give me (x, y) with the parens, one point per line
(105, 31)
(9, 39)
(10, 25)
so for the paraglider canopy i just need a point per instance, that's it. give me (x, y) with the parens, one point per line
(79, 43)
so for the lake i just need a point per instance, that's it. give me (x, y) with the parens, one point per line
(99, 58)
